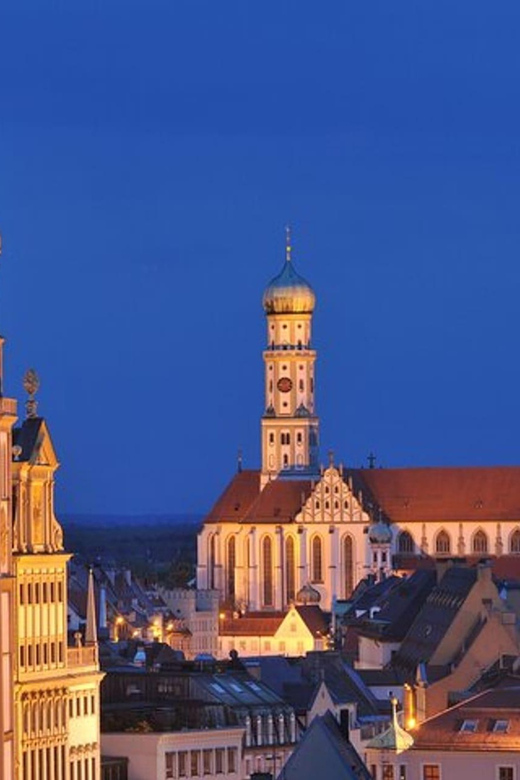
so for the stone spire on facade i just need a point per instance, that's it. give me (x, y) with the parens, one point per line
(91, 627)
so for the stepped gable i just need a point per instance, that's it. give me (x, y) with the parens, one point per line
(243, 501)
(441, 494)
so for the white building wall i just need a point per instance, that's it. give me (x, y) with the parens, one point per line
(147, 752)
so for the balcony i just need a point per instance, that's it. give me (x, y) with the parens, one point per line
(82, 656)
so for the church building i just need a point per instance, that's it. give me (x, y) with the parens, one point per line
(296, 531)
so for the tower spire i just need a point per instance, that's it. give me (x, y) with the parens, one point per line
(91, 628)
(288, 243)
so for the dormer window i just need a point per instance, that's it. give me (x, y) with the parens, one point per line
(469, 726)
(501, 726)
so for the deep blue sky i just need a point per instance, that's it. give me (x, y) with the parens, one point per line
(150, 155)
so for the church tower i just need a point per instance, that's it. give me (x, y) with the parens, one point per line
(289, 423)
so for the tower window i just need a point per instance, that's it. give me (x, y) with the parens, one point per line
(271, 438)
(285, 461)
(300, 384)
(299, 438)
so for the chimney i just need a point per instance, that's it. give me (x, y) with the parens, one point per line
(344, 724)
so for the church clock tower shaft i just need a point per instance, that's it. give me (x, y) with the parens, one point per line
(289, 423)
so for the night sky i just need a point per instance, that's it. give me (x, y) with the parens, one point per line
(151, 154)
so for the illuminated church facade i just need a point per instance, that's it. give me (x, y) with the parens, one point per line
(294, 531)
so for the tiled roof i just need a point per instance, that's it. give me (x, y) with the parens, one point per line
(252, 625)
(325, 752)
(435, 617)
(280, 500)
(398, 608)
(406, 495)
(443, 494)
(314, 618)
(236, 499)
(443, 731)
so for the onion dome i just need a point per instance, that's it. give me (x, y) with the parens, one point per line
(288, 293)
(308, 595)
(380, 533)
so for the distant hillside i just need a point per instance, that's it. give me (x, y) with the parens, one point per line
(156, 547)
(126, 520)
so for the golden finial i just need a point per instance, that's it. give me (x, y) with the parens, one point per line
(31, 384)
(288, 244)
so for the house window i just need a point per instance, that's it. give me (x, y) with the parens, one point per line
(206, 762)
(402, 772)
(267, 560)
(317, 562)
(501, 726)
(388, 772)
(405, 542)
(195, 760)
(231, 759)
(170, 765)
(442, 543)
(431, 772)
(290, 577)
(219, 761)
(506, 773)
(469, 726)
(183, 763)
(480, 542)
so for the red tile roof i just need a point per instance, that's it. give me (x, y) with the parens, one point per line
(406, 495)
(279, 502)
(252, 625)
(442, 732)
(444, 494)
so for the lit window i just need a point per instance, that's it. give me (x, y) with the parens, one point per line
(388, 772)
(442, 543)
(431, 772)
(506, 773)
(480, 542)
(183, 763)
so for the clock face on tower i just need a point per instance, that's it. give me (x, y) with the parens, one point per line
(284, 384)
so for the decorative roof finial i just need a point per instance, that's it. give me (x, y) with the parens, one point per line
(331, 458)
(288, 243)
(239, 460)
(31, 384)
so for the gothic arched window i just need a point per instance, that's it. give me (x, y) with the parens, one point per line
(267, 571)
(290, 573)
(317, 560)
(231, 563)
(405, 542)
(442, 543)
(514, 542)
(480, 542)
(211, 562)
(348, 565)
